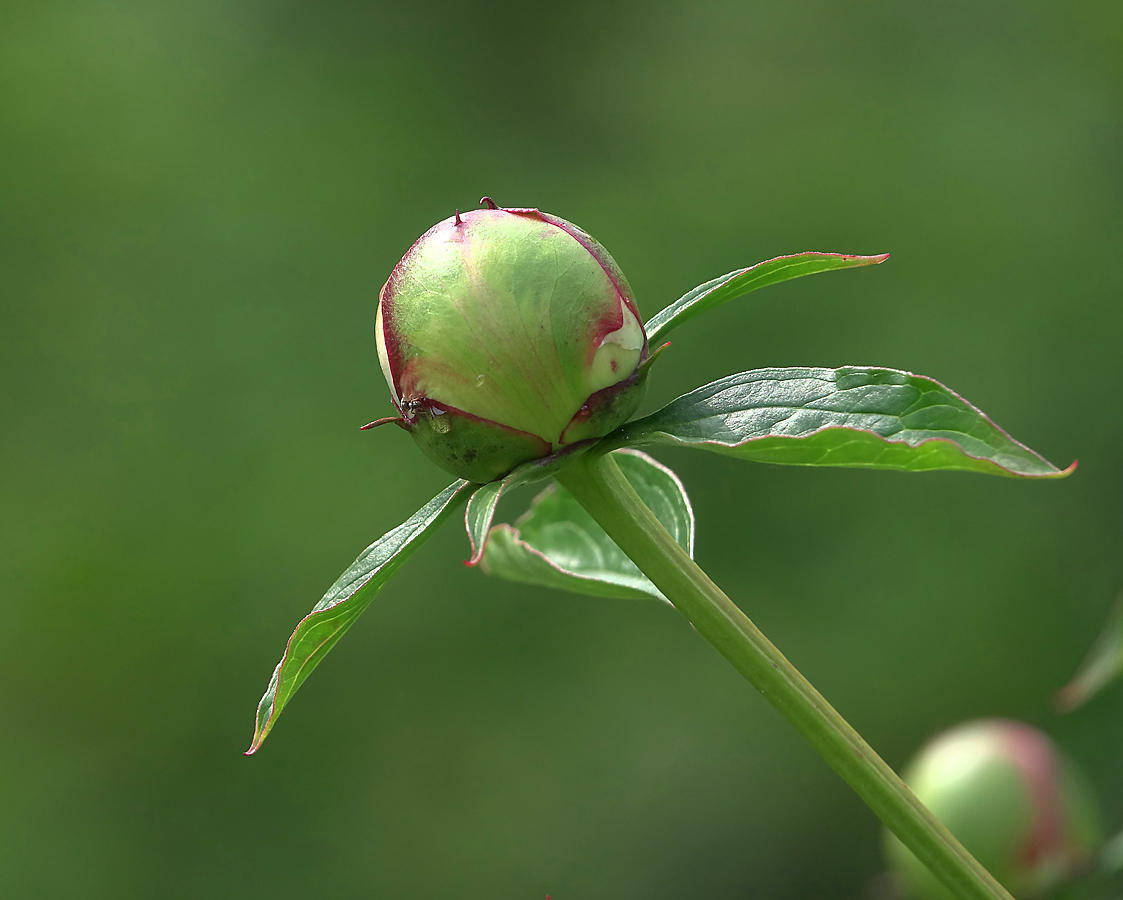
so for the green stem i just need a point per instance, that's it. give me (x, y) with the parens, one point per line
(601, 488)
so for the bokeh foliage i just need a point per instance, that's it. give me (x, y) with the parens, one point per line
(198, 204)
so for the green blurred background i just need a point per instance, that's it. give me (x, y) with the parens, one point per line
(198, 205)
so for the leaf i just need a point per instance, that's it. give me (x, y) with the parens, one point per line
(728, 287)
(318, 632)
(557, 544)
(478, 515)
(869, 418)
(481, 506)
(1111, 856)
(1102, 666)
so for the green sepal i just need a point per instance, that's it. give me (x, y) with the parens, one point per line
(319, 631)
(474, 449)
(607, 408)
(557, 544)
(740, 282)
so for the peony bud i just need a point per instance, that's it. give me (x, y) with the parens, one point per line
(1011, 799)
(505, 335)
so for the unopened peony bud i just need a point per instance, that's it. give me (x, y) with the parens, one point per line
(505, 335)
(1009, 797)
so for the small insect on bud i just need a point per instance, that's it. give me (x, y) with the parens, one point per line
(506, 335)
(1011, 799)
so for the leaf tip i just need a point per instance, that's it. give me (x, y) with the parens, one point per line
(397, 420)
(874, 260)
(476, 551)
(1058, 473)
(1067, 698)
(652, 356)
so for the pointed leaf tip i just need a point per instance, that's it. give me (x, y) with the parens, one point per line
(397, 420)
(1102, 666)
(478, 515)
(351, 594)
(735, 284)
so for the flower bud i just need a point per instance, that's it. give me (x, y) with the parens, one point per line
(505, 335)
(1011, 799)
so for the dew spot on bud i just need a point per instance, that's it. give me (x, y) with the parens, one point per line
(441, 424)
(480, 380)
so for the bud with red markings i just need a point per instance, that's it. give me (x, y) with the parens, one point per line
(1011, 799)
(506, 335)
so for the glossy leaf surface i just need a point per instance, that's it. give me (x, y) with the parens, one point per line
(740, 282)
(557, 544)
(855, 417)
(1103, 665)
(319, 631)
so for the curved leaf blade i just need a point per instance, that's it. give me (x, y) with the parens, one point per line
(557, 544)
(352, 593)
(481, 505)
(729, 287)
(1103, 665)
(854, 417)
(478, 515)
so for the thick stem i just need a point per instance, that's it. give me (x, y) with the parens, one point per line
(601, 488)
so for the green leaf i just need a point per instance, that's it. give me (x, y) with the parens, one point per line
(557, 544)
(868, 418)
(728, 287)
(1111, 856)
(481, 506)
(478, 515)
(318, 632)
(1103, 665)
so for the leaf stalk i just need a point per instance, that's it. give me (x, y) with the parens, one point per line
(597, 483)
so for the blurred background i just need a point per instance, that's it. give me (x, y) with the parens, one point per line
(198, 205)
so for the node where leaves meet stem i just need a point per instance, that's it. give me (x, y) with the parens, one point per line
(597, 483)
